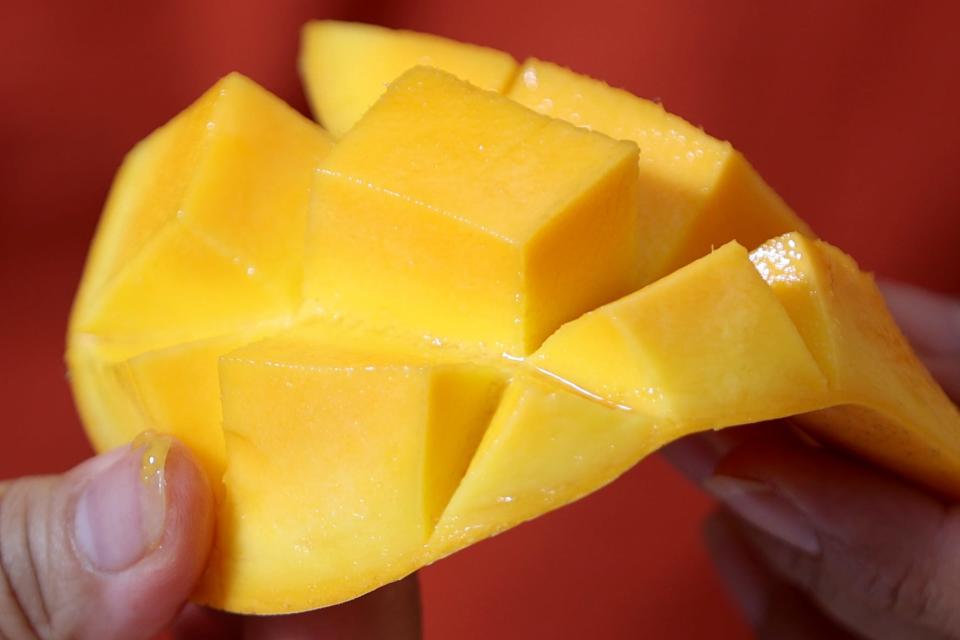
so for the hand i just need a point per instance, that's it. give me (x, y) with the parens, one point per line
(817, 545)
(113, 549)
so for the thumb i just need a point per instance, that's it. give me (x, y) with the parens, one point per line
(110, 549)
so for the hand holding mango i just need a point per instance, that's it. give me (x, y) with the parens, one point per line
(113, 548)
(815, 545)
(463, 313)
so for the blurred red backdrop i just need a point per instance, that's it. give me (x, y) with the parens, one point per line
(848, 108)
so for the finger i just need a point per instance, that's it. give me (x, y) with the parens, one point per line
(110, 549)
(874, 553)
(392, 612)
(776, 610)
(932, 324)
(696, 456)
(930, 320)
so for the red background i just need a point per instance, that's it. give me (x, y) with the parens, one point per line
(848, 108)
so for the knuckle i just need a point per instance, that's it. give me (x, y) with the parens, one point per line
(24, 544)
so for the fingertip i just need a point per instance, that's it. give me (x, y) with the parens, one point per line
(110, 549)
(696, 456)
(148, 594)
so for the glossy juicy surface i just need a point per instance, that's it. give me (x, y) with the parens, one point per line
(707, 346)
(696, 192)
(890, 408)
(482, 223)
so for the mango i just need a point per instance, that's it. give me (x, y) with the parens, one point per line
(707, 346)
(697, 192)
(341, 461)
(389, 348)
(346, 66)
(177, 390)
(202, 236)
(544, 229)
(215, 239)
(547, 446)
(886, 406)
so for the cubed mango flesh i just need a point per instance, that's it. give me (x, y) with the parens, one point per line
(201, 237)
(886, 405)
(341, 461)
(696, 192)
(543, 229)
(546, 446)
(710, 345)
(346, 66)
(386, 350)
(177, 391)
(215, 238)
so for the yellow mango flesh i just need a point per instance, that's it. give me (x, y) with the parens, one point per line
(394, 414)
(346, 66)
(707, 346)
(546, 446)
(202, 236)
(215, 243)
(696, 192)
(341, 461)
(890, 409)
(543, 229)
(109, 411)
(177, 390)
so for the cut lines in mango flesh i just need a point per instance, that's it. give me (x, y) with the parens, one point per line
(490, 292)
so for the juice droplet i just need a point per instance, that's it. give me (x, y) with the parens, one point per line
(155, 448)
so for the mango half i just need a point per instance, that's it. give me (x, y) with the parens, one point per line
(446, 323)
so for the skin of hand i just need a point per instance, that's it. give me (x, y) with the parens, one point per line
(814, 544)
(114, 547)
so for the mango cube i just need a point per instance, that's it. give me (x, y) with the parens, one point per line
(887, 407)
(204, 232)
(341, 462)
(543, 230)
(696, 192)
(707, 346)
(176, 390)
(201, 238)
(546, 446)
